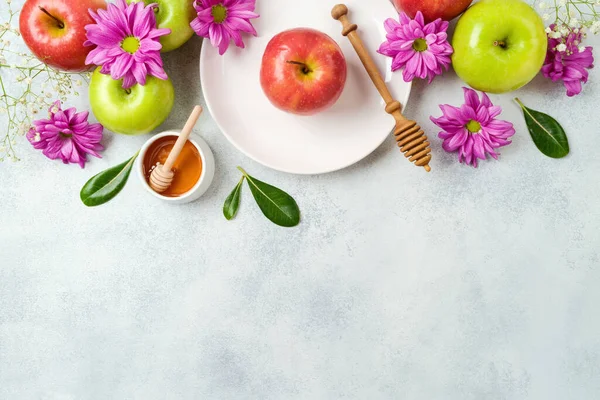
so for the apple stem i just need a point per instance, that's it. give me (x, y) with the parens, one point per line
(305, 69)
(500, 43)
(61, 24)
(128, 91)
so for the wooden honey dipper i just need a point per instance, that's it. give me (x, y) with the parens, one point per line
(162, 175)
(410, 137)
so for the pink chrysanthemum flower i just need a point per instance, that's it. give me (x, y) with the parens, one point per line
(127, 42)
(223, 20)
(422, 49)
(473, 129)
(66, 135)
(567, 59)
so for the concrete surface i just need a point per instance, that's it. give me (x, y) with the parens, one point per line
(461, 284)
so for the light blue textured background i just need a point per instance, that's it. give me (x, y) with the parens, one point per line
(460, 284)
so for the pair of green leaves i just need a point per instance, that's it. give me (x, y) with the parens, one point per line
(104, 186)
(547, 134)
(278, 206)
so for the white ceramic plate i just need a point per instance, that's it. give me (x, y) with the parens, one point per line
(332, 140)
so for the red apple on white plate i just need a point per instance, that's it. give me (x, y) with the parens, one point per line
(303, 71)
(433, 9)
(54, 31)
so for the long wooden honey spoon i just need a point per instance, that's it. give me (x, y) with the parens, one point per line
(162, 175)
(410, 137)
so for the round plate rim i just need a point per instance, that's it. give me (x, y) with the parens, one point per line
(231, 140)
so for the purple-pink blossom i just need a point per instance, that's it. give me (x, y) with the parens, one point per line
(473, 130)
(421, 49)
(567, 59)
(127, 42)
(66, 135)
(222, 21)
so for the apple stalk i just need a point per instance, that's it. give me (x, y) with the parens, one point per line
(305, 68)
(60, 24)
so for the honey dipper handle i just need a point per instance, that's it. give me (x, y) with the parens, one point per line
(183, 137)
(340, 13)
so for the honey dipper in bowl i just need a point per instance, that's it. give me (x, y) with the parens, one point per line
(162, 175)
(410, 137)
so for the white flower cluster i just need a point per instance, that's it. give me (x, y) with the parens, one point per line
(562, 33)
(20, 76)
(572, 13)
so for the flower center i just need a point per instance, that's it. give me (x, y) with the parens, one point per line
(420, 45)
(130, 44)
(65, 135)
(473, 126)
(219, 13)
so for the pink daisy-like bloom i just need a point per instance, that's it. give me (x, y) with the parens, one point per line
(472, 129)
(223, 21)
(567, 59)
(127, 42)
(422, 49)
(66, 135)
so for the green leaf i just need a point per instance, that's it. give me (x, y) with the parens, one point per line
(232, 203)
(107, 184)
(547, 134)
(275, 204)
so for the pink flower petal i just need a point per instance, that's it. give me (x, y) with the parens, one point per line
(61, 135)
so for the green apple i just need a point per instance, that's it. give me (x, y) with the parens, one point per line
(499, 45)
(134, 111)
(175, 15)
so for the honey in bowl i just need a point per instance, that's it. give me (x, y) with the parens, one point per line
(187, 167)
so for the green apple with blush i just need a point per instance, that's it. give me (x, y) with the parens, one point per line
(175, 15)
(499, 45)
(134, 111)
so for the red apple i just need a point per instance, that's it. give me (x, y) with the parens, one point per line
(433, 9)
(303, 71)
(54, 31)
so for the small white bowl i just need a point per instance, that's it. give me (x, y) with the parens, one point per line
(206, 178)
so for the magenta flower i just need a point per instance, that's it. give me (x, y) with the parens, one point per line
(66, 135)
(223, 20)
(567, 59)
(473, 129)
(423, 50)
(127, 42)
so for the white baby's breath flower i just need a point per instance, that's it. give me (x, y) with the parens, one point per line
(564, 31)
(554, 35)
(561, 48)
